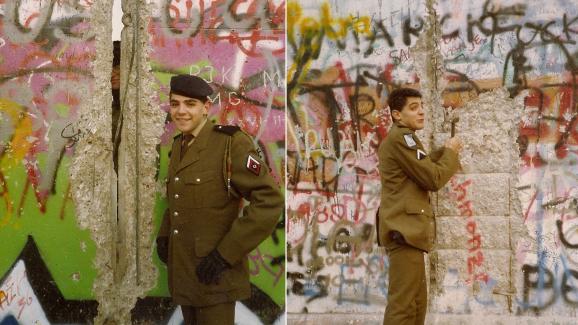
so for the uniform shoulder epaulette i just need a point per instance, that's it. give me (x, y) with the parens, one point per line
(227, 129)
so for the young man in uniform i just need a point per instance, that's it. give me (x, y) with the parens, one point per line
(202, 239)
(405, 221)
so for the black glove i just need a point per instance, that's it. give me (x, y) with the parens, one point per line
(163, 248)
(210, 268)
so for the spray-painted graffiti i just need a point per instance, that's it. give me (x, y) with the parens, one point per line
(345, 58)
(474, 243)
(46, 50)
(45, 54)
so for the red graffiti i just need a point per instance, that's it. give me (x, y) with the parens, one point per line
(13, 294)
(476, 257)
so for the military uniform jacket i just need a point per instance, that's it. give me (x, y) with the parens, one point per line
(203, 214)
(407, 174)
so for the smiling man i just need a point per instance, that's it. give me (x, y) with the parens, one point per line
(405, 221)
(202, 239)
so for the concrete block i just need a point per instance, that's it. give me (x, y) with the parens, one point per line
(475, 194)
(488, 127)
(487, 232)
(491, 156)
(456, 289)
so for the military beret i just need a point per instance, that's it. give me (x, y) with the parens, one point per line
(190, 86)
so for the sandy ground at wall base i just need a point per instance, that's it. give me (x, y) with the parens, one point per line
(431, 319)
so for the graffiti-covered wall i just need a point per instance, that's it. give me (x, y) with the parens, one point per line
(80, 205)
(505, 232)
(45, 260)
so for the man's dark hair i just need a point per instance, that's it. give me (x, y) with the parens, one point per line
(398, 98)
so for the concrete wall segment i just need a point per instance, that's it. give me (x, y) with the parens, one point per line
(494, 65)
(55, 93)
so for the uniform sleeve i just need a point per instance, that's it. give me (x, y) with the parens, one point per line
(428, 174)
(266, 203)
(435, 155)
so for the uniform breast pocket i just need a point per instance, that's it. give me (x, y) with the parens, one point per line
(207, 189)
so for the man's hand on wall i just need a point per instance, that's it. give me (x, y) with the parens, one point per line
(454, 143)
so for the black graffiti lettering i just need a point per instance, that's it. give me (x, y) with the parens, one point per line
(409, 30)
(297, 287)
(566, 27)
(453, 34)
(537, 278)
(379, 32)
(341, 243)
(494, 19)
(71, 133)
(569, 288)
(562, 236)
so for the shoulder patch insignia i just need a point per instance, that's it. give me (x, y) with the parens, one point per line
(227, 129)
(420, 154)
(409, 140)
(253, 165)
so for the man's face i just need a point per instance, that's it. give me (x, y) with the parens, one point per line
(187, 113)
(412, 114)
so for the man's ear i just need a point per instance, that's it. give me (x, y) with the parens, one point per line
(395, 114)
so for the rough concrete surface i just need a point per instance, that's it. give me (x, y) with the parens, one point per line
(450, 231)
(92, 175)
(123, 242)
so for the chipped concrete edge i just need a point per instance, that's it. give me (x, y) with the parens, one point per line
(143, 125)
(152, 122)
(91, 175)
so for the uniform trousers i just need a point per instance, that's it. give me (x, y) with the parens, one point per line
(220, 314)
(407, 293)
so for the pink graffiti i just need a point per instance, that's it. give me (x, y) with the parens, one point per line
(258, 261)
(211, 28)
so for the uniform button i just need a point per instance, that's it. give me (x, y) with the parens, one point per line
(198, 179)
(175, 213)
(176, 179)
(176, 196)
(176, 231)
(422, 211)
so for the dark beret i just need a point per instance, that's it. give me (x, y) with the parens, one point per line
(190, 86)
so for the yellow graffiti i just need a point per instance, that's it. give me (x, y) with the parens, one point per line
(14, 151)
(19, 145)
(3, 297)
(335, 28)
(312, 31)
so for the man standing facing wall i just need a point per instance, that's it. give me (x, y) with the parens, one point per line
(203, 241)
(405, 221)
